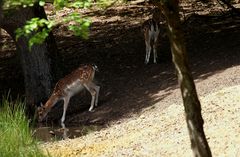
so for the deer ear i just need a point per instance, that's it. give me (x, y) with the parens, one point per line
(41, 104)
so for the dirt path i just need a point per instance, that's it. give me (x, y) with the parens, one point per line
(156, 132)
(141, 105)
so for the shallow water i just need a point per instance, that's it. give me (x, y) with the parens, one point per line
(47, 133)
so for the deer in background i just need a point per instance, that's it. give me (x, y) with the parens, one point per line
(70, 85)
(151, 30)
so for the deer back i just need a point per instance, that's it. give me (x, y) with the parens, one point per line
(84, 74)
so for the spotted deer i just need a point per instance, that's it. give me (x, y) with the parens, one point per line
(70, 85)
(151, 30)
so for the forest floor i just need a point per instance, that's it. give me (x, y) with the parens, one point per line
(140, 110)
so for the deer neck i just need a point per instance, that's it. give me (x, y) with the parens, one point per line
(51, 102)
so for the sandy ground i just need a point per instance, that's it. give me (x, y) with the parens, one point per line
(156, 132)
(141, 105)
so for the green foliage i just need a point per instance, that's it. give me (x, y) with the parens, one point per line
(36, 29)
(81, 4)
(15, 134)
(60, 4)
(80, 26)
(106, 3)
(12, 4)
(42, 2)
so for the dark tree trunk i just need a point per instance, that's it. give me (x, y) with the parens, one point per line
(53, 53)
(37, 64)
(192, 105)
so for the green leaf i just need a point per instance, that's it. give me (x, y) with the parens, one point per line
(41, 3)
(59, 4)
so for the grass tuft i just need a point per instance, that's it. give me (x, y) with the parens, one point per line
(15, 133)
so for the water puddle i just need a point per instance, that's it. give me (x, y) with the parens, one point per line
(46, 133)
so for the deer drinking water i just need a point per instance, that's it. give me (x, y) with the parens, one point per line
(70, 85)
(151, 30)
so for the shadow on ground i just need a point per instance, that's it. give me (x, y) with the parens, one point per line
(127, 85)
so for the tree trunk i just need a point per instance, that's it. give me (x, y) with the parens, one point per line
(192, 105)
(53, 53)
(36, 64)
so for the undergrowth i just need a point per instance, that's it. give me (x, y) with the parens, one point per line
(15, 133)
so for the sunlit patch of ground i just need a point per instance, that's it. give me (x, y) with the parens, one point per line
(163, 133)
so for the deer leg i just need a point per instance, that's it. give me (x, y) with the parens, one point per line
(93, 93)
(148, 52)
(65, 130)
(148, 48)
(146, 57)
(155, 47)
(92, 85)
(65, 105)
(97, 88)
(154, 53)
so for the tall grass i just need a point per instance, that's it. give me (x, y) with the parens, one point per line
(15, 134)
